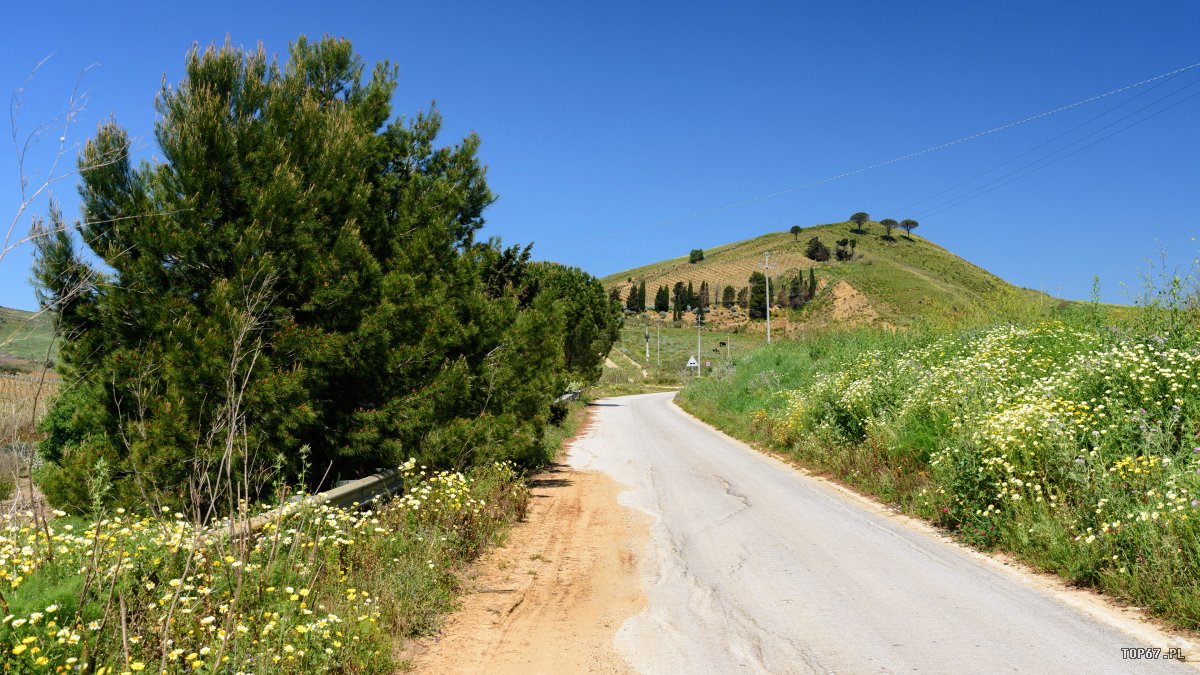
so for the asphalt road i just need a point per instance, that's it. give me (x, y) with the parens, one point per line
(755, 567)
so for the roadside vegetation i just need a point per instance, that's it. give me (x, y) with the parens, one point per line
(296, 293)
(1070, 438)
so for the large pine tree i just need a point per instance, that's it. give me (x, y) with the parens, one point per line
(297, 282)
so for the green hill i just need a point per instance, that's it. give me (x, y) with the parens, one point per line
(25, 337)
(896, 282)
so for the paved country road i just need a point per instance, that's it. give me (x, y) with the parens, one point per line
(754, 567)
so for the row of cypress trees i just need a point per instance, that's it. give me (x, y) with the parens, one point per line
(296, 288)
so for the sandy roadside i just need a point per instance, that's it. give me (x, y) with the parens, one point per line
(552, 598)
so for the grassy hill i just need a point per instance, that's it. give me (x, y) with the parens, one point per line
(25, 337)
(897, 282)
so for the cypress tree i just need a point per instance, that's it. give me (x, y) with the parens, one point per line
(758, 296)
(728, 297)
(662, 299)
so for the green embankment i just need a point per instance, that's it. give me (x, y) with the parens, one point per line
(1071, 442)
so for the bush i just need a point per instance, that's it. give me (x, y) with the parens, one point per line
(816, 250)
(696, 255)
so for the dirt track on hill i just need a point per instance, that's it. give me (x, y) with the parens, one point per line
(552, 599)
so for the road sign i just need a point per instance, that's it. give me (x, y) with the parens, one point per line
(708, 364)
(692, 362)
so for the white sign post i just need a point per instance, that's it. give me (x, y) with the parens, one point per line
(693, 363)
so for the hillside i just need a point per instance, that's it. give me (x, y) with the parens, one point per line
(25, 337)
(895, 283)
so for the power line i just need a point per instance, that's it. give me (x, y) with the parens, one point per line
(905, 208)
(1059, 159)
(1016, 174)
(880, 165)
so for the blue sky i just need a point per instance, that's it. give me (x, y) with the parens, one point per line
(600, 121)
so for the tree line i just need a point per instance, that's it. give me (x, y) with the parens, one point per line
(792, 290)
(296, 288)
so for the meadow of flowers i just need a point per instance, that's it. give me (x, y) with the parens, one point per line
(1075, 445)
(320, 589)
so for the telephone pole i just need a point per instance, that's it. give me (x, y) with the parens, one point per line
(767, 274)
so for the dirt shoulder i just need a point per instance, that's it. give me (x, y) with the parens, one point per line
(552, 598)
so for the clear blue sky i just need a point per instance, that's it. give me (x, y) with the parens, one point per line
(598, 118)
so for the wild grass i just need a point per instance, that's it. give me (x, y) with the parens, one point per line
(324, 589)
(671, 347)
(1072, 441)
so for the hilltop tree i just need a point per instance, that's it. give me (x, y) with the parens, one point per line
(264, 290)
(908, 225)
(816, 250)
(728, 297)
(888, 225)
(696, 255)
(662, 299)
(796, 230)
(758, 296)
(860, 220)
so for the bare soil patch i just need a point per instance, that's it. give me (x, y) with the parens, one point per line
(553, 597)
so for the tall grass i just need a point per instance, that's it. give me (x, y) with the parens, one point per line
(1072, 441)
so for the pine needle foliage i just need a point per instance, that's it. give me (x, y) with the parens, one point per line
(298, 270)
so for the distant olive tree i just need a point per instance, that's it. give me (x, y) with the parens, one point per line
(908, 225)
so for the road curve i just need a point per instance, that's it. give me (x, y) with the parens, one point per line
(754, 567)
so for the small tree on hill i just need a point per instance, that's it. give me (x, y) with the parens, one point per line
(692, 301)
(614, 296)
(704, 296)
(728, 297)
(888, 225)
(662, 299)
(642, 296)
(812, 284)
(816, 250)
(908, 225)
(631, 301)
(743, 297)
(843, 249)
(696, 255)
(796, 230)
(860, 220)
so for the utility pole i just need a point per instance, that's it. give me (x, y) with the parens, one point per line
(767, 274)
(660, 345)
(647, 341)
(699, 322)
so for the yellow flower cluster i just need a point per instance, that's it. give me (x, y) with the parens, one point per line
(165, 592)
